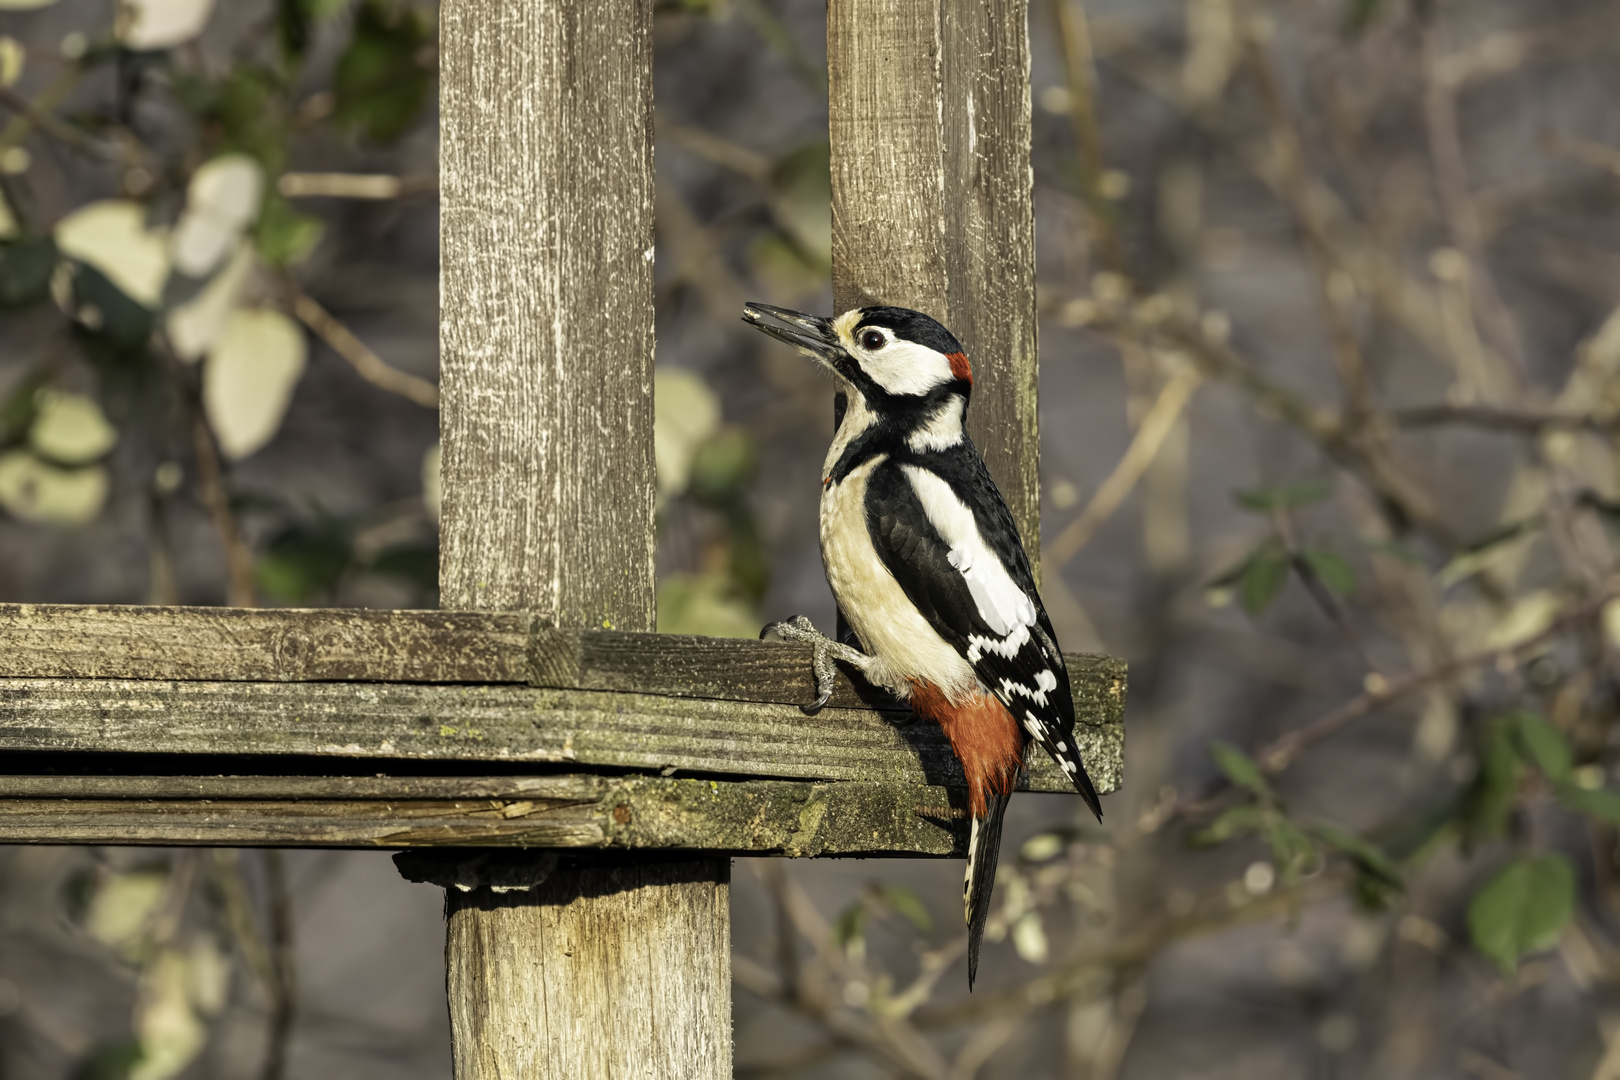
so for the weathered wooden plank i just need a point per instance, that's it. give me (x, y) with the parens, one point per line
(636, 982)
(322, 645)
(546, 289)
(511, 723)
(933, 201)
(758, 817)
(287, 645)
(989, 189)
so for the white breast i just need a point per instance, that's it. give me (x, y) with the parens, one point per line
(891, 629)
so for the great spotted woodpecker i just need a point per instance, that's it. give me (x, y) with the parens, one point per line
(926, 564)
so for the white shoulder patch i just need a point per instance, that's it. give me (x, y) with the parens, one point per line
(943, 430)
(1001, 603)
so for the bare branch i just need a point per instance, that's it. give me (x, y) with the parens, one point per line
(369, 365)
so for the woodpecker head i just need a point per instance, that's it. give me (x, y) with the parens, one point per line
(895, 358)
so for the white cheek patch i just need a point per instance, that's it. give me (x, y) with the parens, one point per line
(904, 367)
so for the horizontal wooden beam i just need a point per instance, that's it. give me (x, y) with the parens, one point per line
(759, 817)
(599, 729)
(253, 645)
(473, 687)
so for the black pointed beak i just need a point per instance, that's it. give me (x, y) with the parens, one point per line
(810, 333)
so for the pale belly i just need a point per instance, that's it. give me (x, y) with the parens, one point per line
(903, 644)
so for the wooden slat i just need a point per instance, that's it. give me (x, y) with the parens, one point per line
(546, 293)
(625, 813)
(510, 723)
(289, 645)
(325, 645)
(933, 201)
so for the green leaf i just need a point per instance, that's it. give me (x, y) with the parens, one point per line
(1284, 496)
(1333, 571)
(907, 904)
(1237, 821)
(111, 1060)
(1603, 804)
(383, 78)
(722, 466)
(1240, 768)
(1523, 909)
(1489, 802)
(1264, 575)
(1291, 848)
(304, 561)
(1545, 747)
(849, 930)
(295, 25)
(1359, 13)
(1367, 856)
(107, 312)
(415, 563)
(26, 264)
(283, 235)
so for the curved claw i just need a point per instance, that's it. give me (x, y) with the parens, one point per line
(816, 705)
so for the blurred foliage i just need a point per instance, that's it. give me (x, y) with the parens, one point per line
(1276, 197)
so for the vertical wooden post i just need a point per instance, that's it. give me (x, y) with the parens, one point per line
(546, 356)
(933, 199)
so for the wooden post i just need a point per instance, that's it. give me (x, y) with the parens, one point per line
(933, 199)
(546, 358)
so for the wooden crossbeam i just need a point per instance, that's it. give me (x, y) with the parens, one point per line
(473, 687)
(343, 693)
(615, 813)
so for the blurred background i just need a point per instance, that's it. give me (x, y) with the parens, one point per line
(1329, 353)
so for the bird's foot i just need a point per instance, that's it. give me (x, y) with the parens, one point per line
(825, 651)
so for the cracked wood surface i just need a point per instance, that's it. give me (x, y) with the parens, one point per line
(758, 817)
(362, 722)
(471, 686)
(933, 200)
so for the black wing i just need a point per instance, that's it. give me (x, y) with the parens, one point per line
(1021, 665)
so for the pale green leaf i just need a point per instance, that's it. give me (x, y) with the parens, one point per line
(1239, 768)
(112, 236)
(70, 429)
(1523, 909)
(249, 379)
(33, 490)
(145, 25)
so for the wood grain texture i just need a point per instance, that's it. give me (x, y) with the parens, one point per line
(933, 199)
(757, 817)
(286, 645)
(607, 730)
(546, 340)
(635, 959)
(546, 244)
(990, 239)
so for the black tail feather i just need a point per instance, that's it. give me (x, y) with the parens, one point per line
(984, 848)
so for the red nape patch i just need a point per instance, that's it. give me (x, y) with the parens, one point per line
(987, 740)
(960, 366)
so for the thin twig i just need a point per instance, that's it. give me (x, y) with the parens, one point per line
(1451, 186)
(283, 985)
(1074, 35)
(336, 185)
(368, 364)
(1504, 420)
(1283, 751)
(1298, 183)
(1155, 427)
(239, 590)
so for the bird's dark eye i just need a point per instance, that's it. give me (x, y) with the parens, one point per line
(872, 340)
